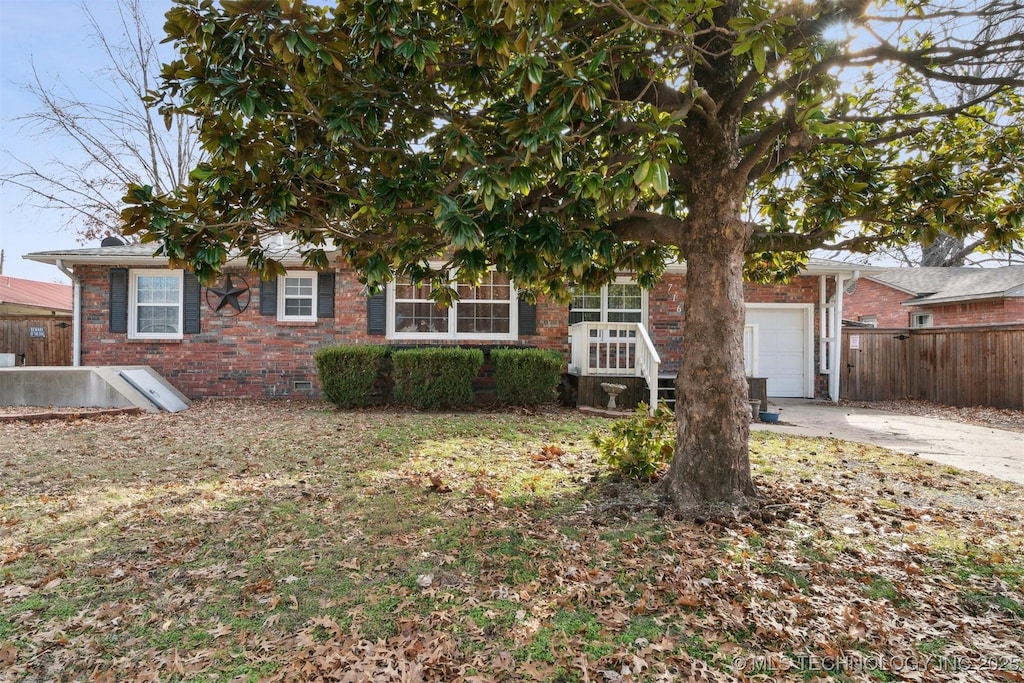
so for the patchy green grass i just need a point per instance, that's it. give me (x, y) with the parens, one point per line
(278, 541)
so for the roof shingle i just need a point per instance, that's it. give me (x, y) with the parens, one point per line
(934, 285)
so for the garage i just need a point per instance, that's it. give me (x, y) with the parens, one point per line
(784, 354)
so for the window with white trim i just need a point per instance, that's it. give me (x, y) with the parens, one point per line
(920, 319)
(587, 305)
(296, 297)
(623, 301)
(485, 308)
(484, 311)
(155, 304)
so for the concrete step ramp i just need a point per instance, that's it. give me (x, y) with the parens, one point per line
(112, 386)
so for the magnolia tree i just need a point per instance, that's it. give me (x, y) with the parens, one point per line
(562, 142)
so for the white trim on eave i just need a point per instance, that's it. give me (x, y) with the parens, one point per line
(812, 269)
(99, 260)
(142, 255)
(115, 261)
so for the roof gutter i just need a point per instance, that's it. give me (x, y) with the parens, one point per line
(290, 260)
(965, 298)
(76, 314)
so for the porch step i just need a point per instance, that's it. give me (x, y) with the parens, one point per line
(667, 390)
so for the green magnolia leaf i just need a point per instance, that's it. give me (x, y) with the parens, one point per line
(659, 177)
(642, 173)
(760, 58)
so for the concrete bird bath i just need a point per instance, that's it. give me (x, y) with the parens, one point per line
(613, 390)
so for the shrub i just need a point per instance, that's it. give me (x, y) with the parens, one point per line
(353, 375)
(641, 446)
(527, 377)
(435, 378)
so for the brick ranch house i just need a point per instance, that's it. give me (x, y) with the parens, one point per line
(247, 338)
(938, 297)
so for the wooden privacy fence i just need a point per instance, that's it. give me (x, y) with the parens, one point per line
(36, 341)
(959, 366)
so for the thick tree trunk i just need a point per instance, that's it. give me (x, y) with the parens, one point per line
(711, 464)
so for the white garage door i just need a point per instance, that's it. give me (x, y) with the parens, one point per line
(783, 349)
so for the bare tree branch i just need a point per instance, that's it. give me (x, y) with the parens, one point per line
(110, 135)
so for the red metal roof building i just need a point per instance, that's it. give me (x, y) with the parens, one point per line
(34, 298)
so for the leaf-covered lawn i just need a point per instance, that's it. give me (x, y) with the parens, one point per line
(276, 541)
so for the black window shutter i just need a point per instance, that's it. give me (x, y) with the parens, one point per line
(191, 313)
(527, 318)
(268, 297)
(325, 295)
(377, 314)
(119, 300)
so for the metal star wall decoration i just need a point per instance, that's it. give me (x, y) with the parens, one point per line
(232, 294)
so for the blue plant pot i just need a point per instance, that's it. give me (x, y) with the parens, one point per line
(770, 418)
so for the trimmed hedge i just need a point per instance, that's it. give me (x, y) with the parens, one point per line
(527, 377)
(436, 377)
(353, 376)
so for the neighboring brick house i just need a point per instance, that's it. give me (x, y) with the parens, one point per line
(938, 297)
(246, 338)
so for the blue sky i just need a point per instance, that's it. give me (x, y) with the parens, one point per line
(54, 36)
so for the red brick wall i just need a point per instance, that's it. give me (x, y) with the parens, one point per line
(886, 304)
(552, 328)
(247, 355)
(987, 312)
(667, 309)
(252, 355)
(870, 298)
(666, 318)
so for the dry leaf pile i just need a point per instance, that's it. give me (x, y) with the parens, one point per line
(289, 542)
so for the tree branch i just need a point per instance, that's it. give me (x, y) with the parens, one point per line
(659, 95)
(919, 115)
(646, 226)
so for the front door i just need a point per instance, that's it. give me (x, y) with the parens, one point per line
(611, 347)
(623, 301)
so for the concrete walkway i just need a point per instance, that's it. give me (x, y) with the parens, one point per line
(996, 452)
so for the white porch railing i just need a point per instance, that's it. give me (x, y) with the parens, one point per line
(615, 349)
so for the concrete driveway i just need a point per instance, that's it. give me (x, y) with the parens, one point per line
(996, 452)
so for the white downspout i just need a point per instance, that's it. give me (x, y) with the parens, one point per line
(837, 344)
(76, 315)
